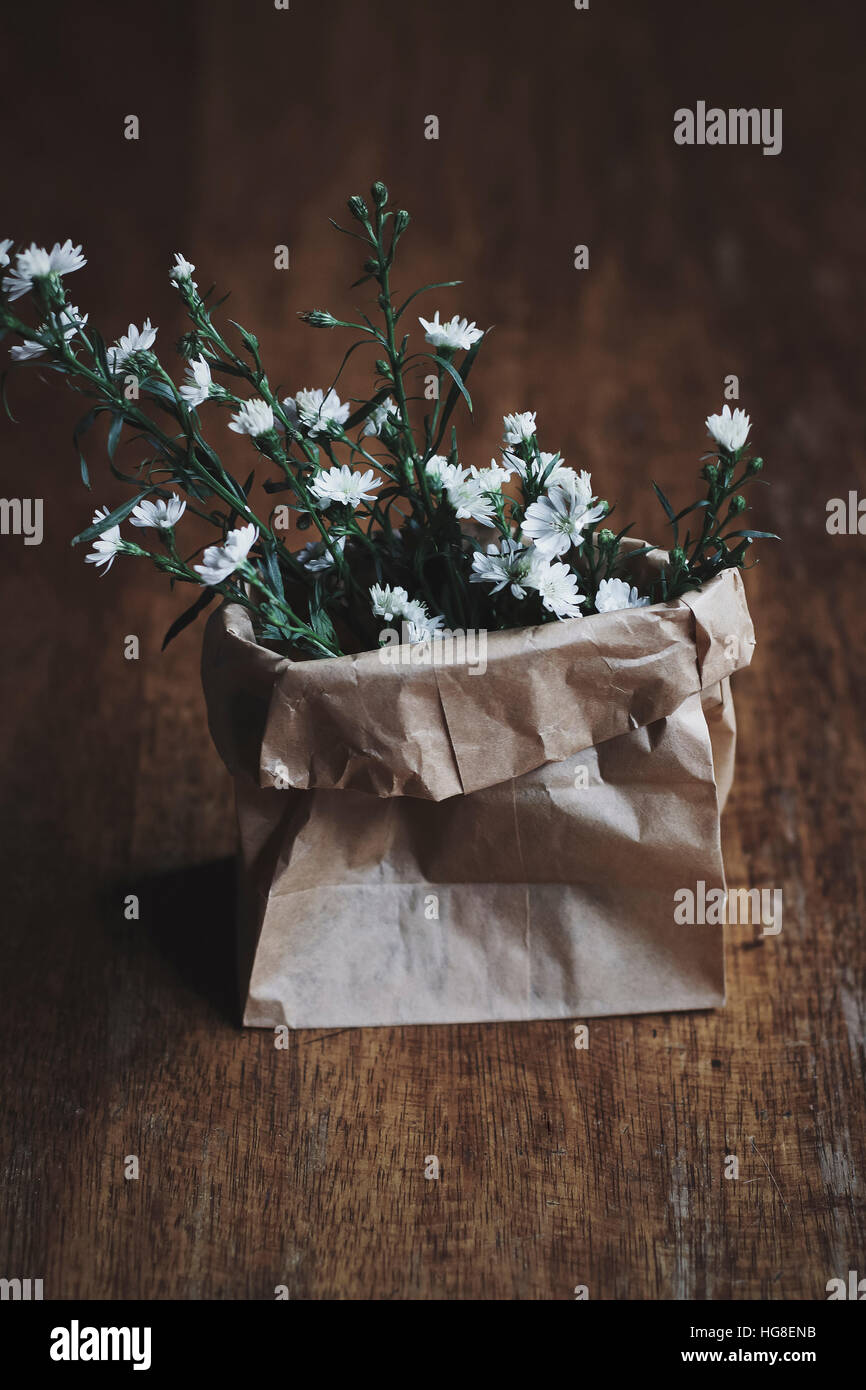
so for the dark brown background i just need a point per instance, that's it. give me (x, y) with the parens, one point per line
(305, 1167)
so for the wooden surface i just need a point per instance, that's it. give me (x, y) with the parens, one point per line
(305, 1167)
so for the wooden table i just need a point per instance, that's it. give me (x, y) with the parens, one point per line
(305, 1167)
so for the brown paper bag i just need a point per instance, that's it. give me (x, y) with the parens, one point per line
(427, 844)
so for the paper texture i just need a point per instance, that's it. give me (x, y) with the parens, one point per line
(426, 844)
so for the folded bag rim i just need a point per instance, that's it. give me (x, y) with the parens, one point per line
(435, 731)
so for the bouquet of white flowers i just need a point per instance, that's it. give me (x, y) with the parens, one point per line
(402, 531)
(418, 844)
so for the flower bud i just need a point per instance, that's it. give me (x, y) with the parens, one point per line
(401, 222)
(318, 318)
(754, 465)
(711, 472)
(379, 193)
(358, 208)
(738, 504)
(190, 346)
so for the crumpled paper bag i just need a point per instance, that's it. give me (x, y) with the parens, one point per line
(425, 844)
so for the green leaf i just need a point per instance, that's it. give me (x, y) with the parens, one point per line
(750, 535)
(453, 373)
(453, 395)
(5, 401)
(435, 285)
(114, 435)
(271, 565)
(113, 519)
(692, 507)
(319, 620)
(81, 428)
(189, 615)
(669, 511)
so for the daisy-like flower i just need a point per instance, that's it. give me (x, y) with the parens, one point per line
(508, 563)
(163, 513)
(468, 498)
(440, 471)
(557, 522)
(181, 270)
(220, 561)
(134, 340)
(317, 411)
(422, 629)
(729, 431)
(344, 485)
(106, 545)
(37, 264)
(5, 248)
(520, 427)
(316, 556)
(560, 471)
(491, 479)
(388, 603)
(557, 585)
(68, 321)
(379, 416)
(456, 335)
(196, 388)
(254, 417)
(614, 594)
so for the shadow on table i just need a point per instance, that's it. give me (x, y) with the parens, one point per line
(191, 917)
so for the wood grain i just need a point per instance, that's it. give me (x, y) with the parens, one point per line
(305, 1167)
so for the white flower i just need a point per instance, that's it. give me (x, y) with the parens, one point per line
(560, 471)
(181, 270)
(254, 417)
(316, 556)
(422, 629)
(22, 351)
(344, 485)
(69, 320)
(317, 411)
(491, 479)
(468, 498)
(456, 334)
(388, 603)
(557, 585)
(379, 415)
(614, 594)
(520, 427)
(134, 340)
(557, 522)
(440, 471)
(36, 263)
(106, 545)
(196, 388)
(729, 431)
(5, 247)
(163, 514)
(511, 563)
(219, 561)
